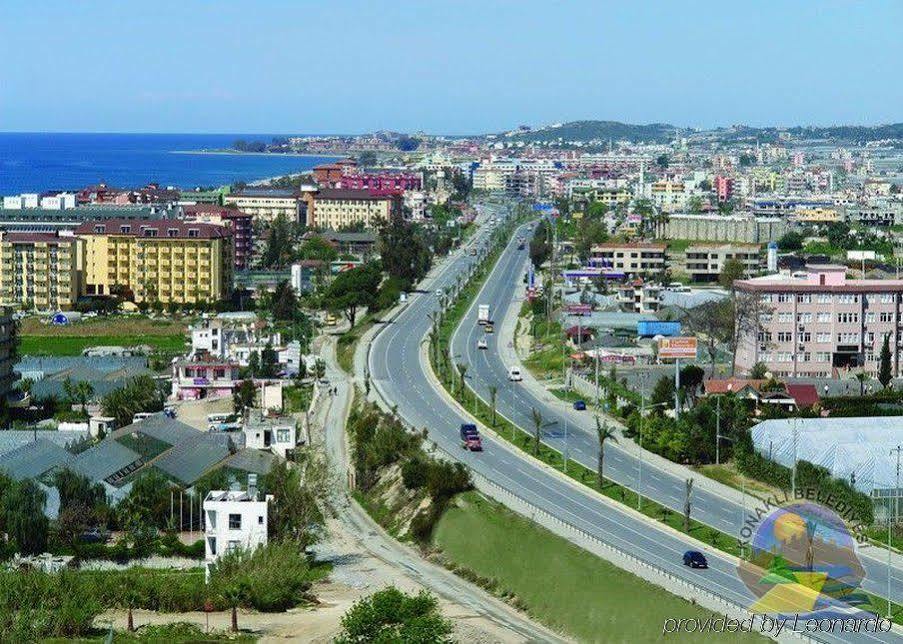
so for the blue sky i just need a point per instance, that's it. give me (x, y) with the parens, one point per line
(457, 67)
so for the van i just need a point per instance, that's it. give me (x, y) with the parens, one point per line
(514, 374)
(214, 419)
(141, 416)
(330, 320)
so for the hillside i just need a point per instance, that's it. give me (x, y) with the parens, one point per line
(598, 131)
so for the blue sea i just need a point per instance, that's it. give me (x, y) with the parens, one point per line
(34, 162)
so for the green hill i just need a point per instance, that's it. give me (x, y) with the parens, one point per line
(599, 130)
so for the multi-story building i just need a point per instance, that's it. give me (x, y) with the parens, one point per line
(818, 323)
(879, 213)
(202, 375)
(669, 196)
(8, 374)
(233, 519)
(335, 208)
(704, 262)
(39, 271)
(266, 204)
(641, 258)
(165, 260)
(240, 223)
(723, 187)
(640, 297)
(722, 228)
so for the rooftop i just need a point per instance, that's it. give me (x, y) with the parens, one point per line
(349, 195)
(154, 228)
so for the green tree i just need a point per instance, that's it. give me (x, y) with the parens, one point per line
(731, 271)
(82, 392)
(298, 492)
(404, 253)
(662, 392)
(604, 433)
(76, 489)
(759, 371)
(148, 502)
(587, 235)
(537, 430)
(353, 289)
(140, 394)
(662, 161)
(279, 251)
(269, 362)
(540, 245)
(884, 369)
(862, 378)
(390, 615)
(23, 516)
(318, 248)
(243, 397)
(284, 303)
(791, 240)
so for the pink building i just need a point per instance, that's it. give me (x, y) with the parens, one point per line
(820, 324)
(383, 183)
(204, 376)
(723, 187)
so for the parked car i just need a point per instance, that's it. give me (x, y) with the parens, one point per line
(695, 559)
(580, 405)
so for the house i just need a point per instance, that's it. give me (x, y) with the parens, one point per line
(233, 519)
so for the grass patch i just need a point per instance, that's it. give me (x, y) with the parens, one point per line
(72, 345)
(347, 343)
(727, 474)
(561, 585)
(297, 398)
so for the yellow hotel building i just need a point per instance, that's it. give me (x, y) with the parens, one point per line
(38, 271)
(163, 260)
(336, 208)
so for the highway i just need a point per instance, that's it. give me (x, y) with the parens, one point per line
(515, 402)
(399, 372)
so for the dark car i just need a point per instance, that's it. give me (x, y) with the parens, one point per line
(695, 559)
(580, 405)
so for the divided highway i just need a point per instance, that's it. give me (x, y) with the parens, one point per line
(399, 372)
(487, 367)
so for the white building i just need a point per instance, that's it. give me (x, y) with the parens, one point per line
(208, 336)
(60, 201)
(233, 519)
(279, 435)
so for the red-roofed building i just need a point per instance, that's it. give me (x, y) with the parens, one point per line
(239, 222)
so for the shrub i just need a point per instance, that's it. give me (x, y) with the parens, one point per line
(414, 473)
(272, 578)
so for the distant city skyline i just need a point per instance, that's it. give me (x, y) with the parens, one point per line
(445, 68)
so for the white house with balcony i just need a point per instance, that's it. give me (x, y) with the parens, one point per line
(233, 519)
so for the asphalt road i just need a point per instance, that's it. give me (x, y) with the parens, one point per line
(487, 367)
(398, 371)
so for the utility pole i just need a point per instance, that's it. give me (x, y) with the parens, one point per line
(718, 430)
(793, 474)
(676, 388)
(897, 449)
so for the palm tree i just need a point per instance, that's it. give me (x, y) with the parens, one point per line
(232, 594)
(25, 385)
(82, 392)
(537, 430)
(603, 433)
(862, 377)
(462, 370)
(493, 392)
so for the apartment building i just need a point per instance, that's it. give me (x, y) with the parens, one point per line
(880, 213)
(818, 323)
(722, 228)
(233, 519)
(165, 260)
(39, 271)
(704, 262)
(669, 196)
(641, 258)
(240, 223)
(202, 375)
(8, 374)
(723, 187)
(639, 297)
(394, 183)
(334, 208)
(266, 204)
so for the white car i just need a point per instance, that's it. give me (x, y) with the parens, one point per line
(481, 344)
(439, 292)
(514, 374)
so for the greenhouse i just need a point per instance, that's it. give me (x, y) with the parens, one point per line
(859, 450)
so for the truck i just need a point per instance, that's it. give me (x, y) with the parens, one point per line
(470, 438)
(483, 314)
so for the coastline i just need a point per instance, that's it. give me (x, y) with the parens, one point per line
(259, 154)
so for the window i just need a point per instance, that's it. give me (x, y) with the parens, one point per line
(822, 356)
(785, 336)
(804, 299)
(235, 522)
(784, 297)
(887, 298)
(125, 230)
(886, 316)
(283, 435)
(172, 232)
(804, 318)
(100, 229)
(870, 316)
(822, 337)
(848, 318)
(847, 298)
(785, 317)
(212, 543)
(823, 317)
(824, 298)
(233, 545)
(260, 519)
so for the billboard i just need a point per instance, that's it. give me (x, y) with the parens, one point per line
(681, 347)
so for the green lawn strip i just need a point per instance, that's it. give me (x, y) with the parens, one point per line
(347, 343)
(43, 345)
(555, 581)
(297, 398)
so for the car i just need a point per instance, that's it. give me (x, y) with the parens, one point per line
(580, 405)
(514, 374)
(439, 292)
(488, 328)
(482, 344)
(695, 559)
